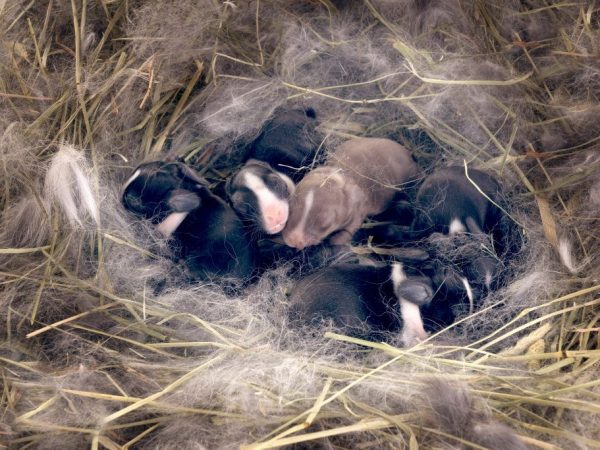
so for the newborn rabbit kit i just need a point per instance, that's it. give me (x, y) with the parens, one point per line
(271, 224)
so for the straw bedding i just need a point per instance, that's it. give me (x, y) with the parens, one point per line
(104, 342)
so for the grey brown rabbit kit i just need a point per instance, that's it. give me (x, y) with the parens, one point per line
(119, 329)
(360, 178)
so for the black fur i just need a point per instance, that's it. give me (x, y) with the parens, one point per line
(163, 188)
(211, 239)
(288, 142)
(359, 299)
(447, 194)
(288, 145)
(444, 196)
(362, 300)
(243, 200)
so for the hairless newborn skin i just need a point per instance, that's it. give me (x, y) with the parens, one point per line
(360, 179)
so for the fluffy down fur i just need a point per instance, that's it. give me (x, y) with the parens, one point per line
(104, 342)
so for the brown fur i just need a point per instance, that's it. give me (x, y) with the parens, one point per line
(361, 178)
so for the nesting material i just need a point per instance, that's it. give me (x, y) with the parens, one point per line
(106, 344)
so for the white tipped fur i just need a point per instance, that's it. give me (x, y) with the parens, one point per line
(566, 255)
(68, 183)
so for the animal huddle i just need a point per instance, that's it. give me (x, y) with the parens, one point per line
(449, 225)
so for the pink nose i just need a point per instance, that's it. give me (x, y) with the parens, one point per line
(275, 218)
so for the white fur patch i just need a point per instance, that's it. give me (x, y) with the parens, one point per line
(266, 199)
(130, 179)
(398, 275)
(488, 279)
(456, 226)
(168, 226)
(470, 296)
(412, 329)
(566, 256)
(412, 322)
(308, 202)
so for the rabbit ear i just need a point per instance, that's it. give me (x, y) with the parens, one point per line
(127, 183)
(229, 186)
(258, 162)
(415, 291)
(181, 200)
(483, 270)
(190, 174)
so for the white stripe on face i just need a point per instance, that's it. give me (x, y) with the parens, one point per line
(266, 200)
(456, 226)
(131, 178)
(308, 202)
(168, 226)
(297, 236)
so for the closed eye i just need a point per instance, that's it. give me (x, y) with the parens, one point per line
(245, 208)
(277, 185)
(240, 201)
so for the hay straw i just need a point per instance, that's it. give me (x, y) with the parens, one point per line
(105, 344)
